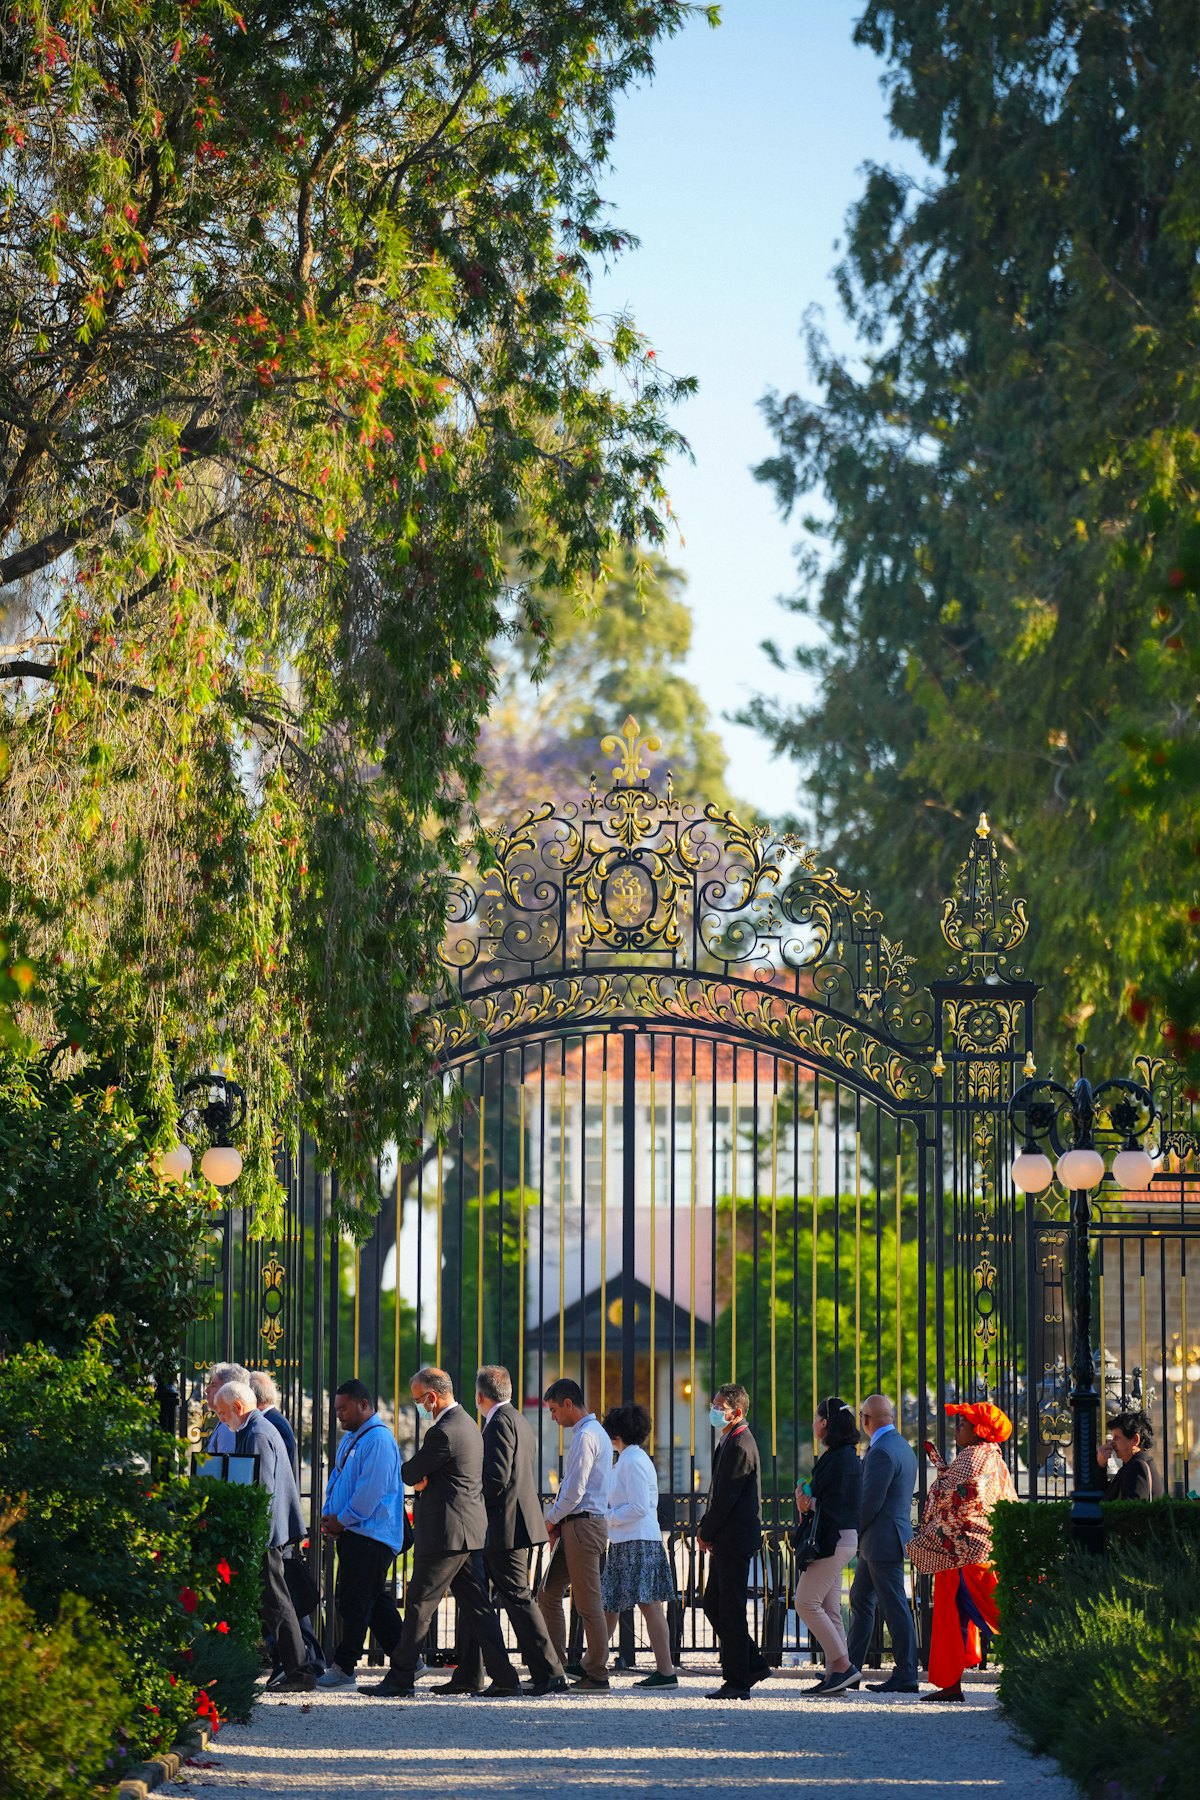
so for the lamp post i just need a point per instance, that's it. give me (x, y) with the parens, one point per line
(216, 1105)
(1069, 1120)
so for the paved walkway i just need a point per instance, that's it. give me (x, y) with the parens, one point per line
(624, 1746)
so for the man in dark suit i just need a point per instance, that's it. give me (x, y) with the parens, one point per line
(885, 1525)
(731, 1532)
(514, 1527)
(237, 1408)
(449, 1524)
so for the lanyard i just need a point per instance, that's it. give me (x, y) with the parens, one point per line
(344, 1453)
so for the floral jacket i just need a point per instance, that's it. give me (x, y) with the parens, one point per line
(957, 1525)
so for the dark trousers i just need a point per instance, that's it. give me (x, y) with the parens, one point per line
(365, 1601)
(508, 1571)
(432, 1576)
(725, 1608)
(279, 1615)
(882, 1581)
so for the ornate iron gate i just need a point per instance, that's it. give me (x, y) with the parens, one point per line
(703, 1124)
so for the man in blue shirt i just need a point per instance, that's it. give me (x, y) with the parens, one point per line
(364, 1515)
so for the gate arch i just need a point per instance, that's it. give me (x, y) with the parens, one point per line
(625, 960)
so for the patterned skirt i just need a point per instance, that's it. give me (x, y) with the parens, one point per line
(635, 1573)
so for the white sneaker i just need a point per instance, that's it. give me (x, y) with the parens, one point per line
(336, 1678)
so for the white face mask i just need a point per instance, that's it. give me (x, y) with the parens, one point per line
(424, 1411)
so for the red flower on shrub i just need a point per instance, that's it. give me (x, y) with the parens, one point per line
(187, 1599)
(222, 1627)
(224, 1571)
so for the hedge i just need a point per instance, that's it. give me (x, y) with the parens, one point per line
(1100, 1654)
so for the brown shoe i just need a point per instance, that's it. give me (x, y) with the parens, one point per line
(587, 1685)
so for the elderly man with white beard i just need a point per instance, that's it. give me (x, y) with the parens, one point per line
(237, 1408)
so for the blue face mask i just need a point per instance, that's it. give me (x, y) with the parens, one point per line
(423, 1411)
(716, 1418)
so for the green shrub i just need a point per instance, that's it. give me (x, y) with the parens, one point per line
(87, 1228)
(229, 1532)
(1104, 1670)
(65, 1707)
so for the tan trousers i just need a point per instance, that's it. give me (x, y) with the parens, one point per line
(576, 1564)
(819, 1597)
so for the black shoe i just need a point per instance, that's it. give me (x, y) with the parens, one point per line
(892, 1686)
(554, 1684)
(390, 1688)
(454, 1687)
(842, 1683)
(302, 1682)
(727, 1691)
(573, 1671)
(500, 1690)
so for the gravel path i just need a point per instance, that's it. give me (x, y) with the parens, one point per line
(613, 1747)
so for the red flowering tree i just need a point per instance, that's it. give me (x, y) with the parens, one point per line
(297, 364)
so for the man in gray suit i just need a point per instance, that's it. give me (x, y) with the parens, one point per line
(885, 1525)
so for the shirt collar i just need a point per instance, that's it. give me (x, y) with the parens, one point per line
(880, 1430)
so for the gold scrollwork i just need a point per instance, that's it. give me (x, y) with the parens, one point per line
(981, 920)
(271, 1329)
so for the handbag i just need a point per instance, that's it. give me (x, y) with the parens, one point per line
(302, 1589)
(804, 1539)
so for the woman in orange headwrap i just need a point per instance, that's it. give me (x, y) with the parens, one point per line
(954, 1544)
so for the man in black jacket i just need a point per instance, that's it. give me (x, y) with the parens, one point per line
(449, 1524)
(514, 1527)
(731, 1532)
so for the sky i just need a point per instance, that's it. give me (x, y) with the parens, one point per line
(736, 168)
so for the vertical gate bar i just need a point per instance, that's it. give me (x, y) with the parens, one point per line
(674, 1313)
(774, 1260)
(899, 1298)
(335, 1323)
(1142, 1304)
(541, 1341)
(755, 1230)
(795, 1274)
(479, 1218)
(377, 1297)
(1162, 1313)
(692, 1295)
(420, 1319)
(653, 1205)
(501, 1182)
(857, 1254)
(458, 1296)
(583, 1132)
(628, 1215)
(1184, 1358)
(1122, 1334)
(923, 1296)
(879, 1252)
(733, 1227)
(816, 1219)
(318, 1354)
(626, 1125)
(1033, 1335)
(939, 1263)
(1100, 1312)
(835, 1386)
(396, 1301)
(520, 1368)
(562, 1216)
(357, 1304)
(227, 1283)
(437, 1266)
(713, 1196)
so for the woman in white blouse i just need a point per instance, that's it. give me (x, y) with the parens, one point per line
(636, 1570)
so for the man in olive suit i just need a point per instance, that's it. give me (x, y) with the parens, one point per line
(449, 1525)
(515, 1527)
(889, 1478)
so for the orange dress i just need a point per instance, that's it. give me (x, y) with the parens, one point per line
(954, 1545)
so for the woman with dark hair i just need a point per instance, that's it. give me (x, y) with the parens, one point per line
(1129, 1439)
(636, 1570)
(836, 1490)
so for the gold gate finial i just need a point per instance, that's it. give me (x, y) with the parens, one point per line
(630, 771)
(983, 829)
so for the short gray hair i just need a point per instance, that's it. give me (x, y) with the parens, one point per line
(266, 1389)
(432, 1380)
(221, 1373)
(494, 1382)
(241, 1391)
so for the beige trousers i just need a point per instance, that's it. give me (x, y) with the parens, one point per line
(576, 1564)
(819, 1597)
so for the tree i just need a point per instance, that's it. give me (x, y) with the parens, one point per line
(619, 653)
(295, 349)
(1007, 588)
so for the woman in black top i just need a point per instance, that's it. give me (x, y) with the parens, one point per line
(1129, 1439)
(836, 1490)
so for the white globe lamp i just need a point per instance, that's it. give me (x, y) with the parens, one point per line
(176, 1164)
(221, 1164)
(1031, 1172)
(1132, 1168)
(1080, 1169)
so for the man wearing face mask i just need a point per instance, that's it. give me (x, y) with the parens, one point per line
(449, 1524)
(731, 1532)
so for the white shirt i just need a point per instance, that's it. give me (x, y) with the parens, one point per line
(881, 1431)
(587, 1473)
(633, 1499)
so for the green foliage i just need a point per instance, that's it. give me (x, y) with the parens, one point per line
(229, 1534)
(620, 654)
(1009, 588)
(1029, 1544)
(65, 1704)
(88, 1229)
(1104, 1672)
(304, 405)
